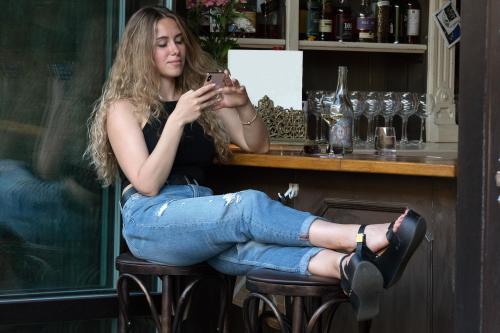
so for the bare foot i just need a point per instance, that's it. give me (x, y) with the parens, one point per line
(375, 233)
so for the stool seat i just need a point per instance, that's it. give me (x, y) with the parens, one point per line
(127, 263)
(269, 281)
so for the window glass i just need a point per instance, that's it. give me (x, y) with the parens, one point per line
(54, 228)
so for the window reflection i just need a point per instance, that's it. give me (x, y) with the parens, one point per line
(52, 66)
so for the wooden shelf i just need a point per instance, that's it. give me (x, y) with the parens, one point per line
(362, 47)
(260, 43)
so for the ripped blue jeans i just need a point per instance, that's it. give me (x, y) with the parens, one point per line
(235, 232)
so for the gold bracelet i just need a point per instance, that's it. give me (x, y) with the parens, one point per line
(247, 123)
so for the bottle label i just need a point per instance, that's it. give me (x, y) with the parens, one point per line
(325, 26)
(365, 23)
(366, 35)
(313, 21)
(343, 27)
(413, 24)
(341, 133)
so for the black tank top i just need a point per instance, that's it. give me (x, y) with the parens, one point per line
(196, 149)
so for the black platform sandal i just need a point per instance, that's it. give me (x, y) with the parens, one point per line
(392, 260)
(362, 282)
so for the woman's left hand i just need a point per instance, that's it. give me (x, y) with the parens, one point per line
(232, 95)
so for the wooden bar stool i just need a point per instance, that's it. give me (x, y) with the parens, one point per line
(173, 302)
(323, 293)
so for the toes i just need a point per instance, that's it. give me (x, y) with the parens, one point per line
(400, 219)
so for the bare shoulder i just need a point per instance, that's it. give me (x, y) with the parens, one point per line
(122, 111)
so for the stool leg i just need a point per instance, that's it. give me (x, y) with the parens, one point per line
(269, 303)
(122, 289)
(317, 314)
(226, 300)
(182, 303)
(166, 304)
(298, 314)
(251, 314)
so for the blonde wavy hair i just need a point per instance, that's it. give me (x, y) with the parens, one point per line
(134, 78)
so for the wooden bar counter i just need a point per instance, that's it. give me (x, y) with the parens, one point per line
(365, 188)
(437, 160)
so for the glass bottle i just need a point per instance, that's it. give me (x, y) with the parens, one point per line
(325, 22)
(365, 22)
(270, 10)
(302, 19)
(340, 132)
(382, 17)
(396, 22)
(261, 19)
(412, 21)
(313, 17)
(343, 21)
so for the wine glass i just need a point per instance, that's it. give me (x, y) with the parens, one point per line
(314, 106)
(443, 98)
(425, 107)
(408, 107)
(373, 106)
(391, 105)
(358, 106)
(328, 115)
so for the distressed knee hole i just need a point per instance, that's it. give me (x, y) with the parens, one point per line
(162, 209)
(231, 198)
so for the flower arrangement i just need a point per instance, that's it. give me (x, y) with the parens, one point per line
(220, 16)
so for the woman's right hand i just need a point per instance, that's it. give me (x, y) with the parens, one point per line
(192, 103)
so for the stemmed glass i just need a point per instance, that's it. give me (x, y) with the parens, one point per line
(327, 115)
(358, 107)
(408, 107)
(373, 106)
(314, 106)
(391, 105)
(444, 97)
(425, 107)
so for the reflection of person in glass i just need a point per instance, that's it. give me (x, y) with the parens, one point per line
(50, 218)
(159, 125)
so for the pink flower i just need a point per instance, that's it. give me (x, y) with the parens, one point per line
(208, 3)
(212, 3)
(191, 3)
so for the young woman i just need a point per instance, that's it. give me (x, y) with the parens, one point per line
(159, 123)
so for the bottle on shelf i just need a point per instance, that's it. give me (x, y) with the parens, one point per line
(302, 19)
(271, 24)
(313, 17)
(396, 22)
(382, 17)
(411, 17)
(342, 18)
(246, 25)
(325, 21)
(365, 22)
(340, 132)
(261, 20)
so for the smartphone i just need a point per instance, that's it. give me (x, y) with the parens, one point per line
(217, 78)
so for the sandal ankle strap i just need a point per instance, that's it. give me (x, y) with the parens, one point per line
(362, 249)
